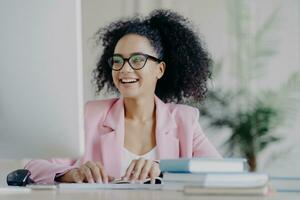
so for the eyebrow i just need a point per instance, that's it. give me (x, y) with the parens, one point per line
(134, 53)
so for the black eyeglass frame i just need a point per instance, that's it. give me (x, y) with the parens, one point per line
(127, 59)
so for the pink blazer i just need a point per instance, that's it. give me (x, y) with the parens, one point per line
(178, 134)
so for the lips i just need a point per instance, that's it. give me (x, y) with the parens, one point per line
(128, 80)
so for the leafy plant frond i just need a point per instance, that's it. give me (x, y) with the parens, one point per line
(253, 120)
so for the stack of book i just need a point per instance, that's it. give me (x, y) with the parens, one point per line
(213, 176)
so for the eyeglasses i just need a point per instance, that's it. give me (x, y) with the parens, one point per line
(136, 61)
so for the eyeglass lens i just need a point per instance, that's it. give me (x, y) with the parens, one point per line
(135, 61)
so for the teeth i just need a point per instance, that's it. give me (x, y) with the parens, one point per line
(128, 80)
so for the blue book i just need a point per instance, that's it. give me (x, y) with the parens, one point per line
(203, 165)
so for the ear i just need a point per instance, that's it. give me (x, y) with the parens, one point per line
(160, 69)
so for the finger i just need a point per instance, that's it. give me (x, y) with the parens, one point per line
(88, 174)
(145, 170)
(95, 171)
(102, 173)
(104, 176)
(152, 174)
(77, 176)
(137, 169)
(129, 170)
(110, 178)
(82, 175)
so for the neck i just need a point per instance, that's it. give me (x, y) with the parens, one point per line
(141, 109)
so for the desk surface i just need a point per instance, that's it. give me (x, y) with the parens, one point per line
(131, 195)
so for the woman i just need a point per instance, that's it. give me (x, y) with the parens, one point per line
(147, 61)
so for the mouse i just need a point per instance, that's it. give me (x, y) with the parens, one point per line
(20, 177)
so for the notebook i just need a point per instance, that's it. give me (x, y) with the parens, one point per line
(242, 180)
(198, 165)
(230, 184)
(194, 190)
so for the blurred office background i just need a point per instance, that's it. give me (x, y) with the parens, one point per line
(256, 48)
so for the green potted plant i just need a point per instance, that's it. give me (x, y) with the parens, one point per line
(251, 116)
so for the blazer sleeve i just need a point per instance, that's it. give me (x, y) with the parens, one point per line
(45, 171)
(202, 147)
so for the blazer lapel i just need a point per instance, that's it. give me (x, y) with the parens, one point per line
(112, 135)
(166, 138)
(112, 140)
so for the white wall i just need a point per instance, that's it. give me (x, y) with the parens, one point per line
(39, 55)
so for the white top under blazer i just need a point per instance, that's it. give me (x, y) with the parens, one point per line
(128, 156)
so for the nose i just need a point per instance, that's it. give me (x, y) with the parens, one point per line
(126, 67)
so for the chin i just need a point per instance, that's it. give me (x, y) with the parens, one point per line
(129, 94)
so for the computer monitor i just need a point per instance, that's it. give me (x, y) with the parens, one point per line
(41, 98)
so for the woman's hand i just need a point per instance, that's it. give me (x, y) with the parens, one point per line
(90, 172)
(141, 169)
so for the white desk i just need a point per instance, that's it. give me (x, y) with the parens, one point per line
(132, 194)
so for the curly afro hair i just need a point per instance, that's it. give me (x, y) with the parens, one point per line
(188, 65)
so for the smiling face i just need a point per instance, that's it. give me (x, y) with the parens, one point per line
(136, 83)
